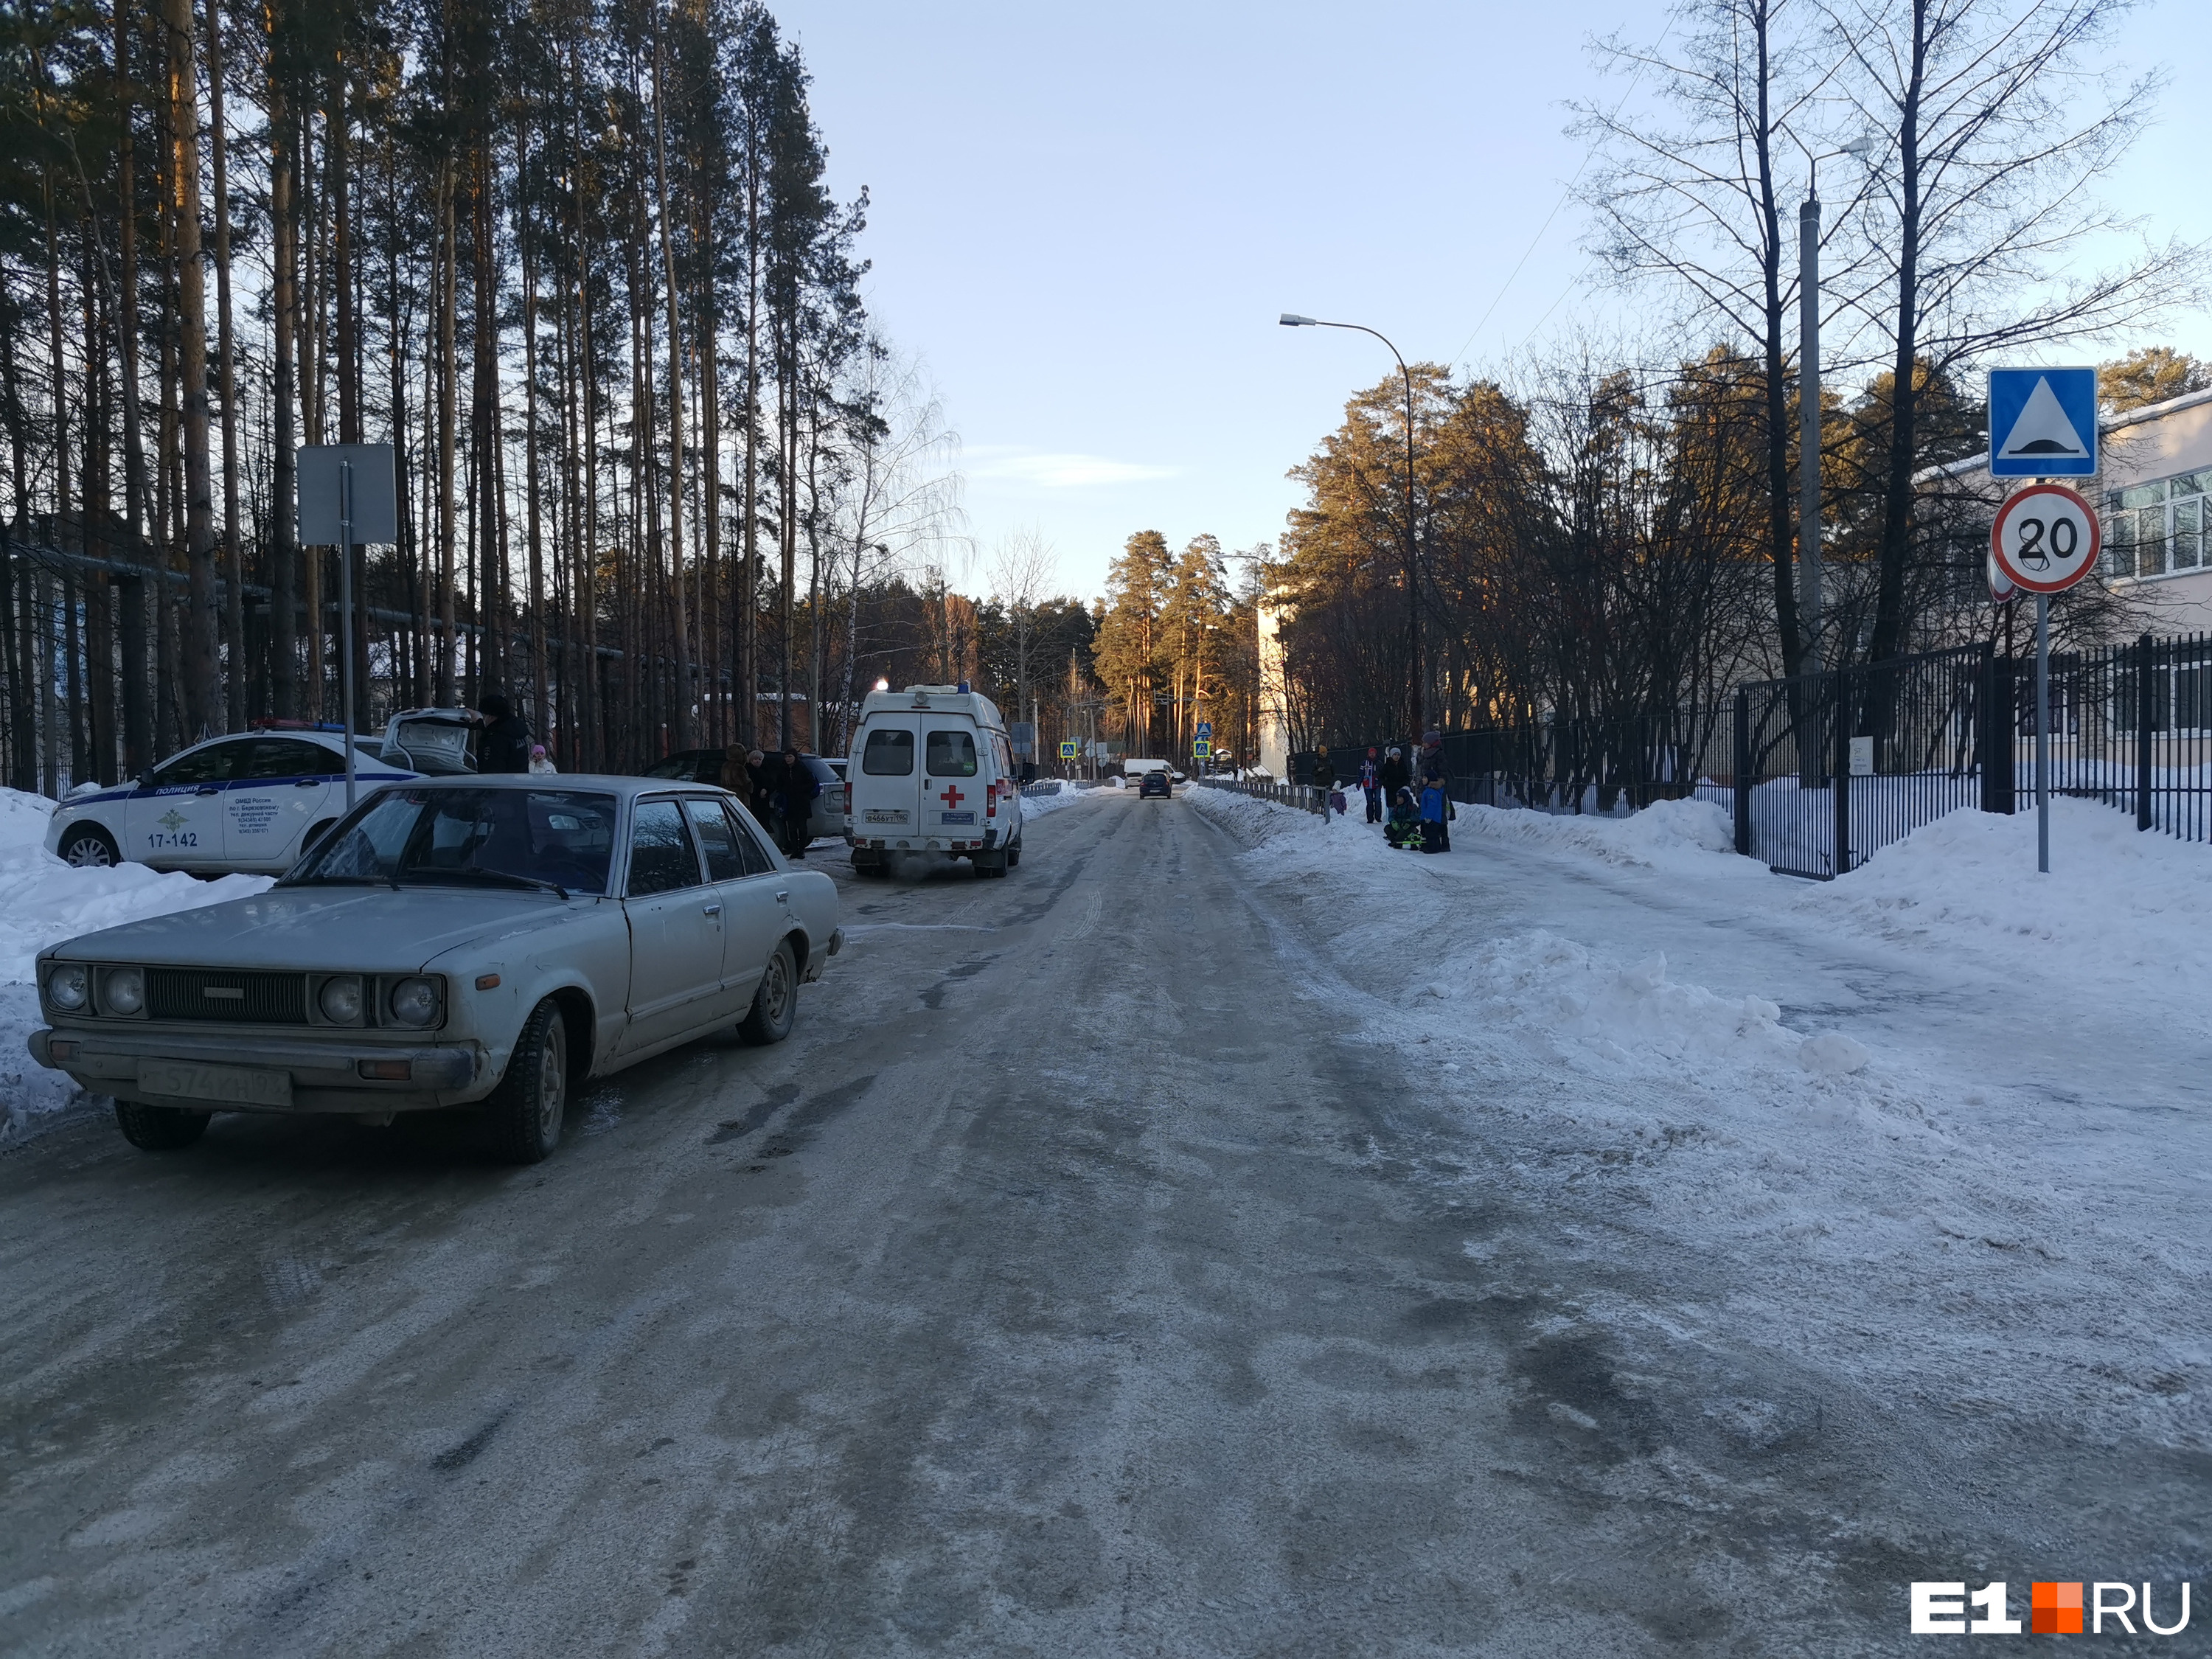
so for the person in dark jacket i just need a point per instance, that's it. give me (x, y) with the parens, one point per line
(1370, 785)
(505, 743)
(1394, 775)
(796, 790)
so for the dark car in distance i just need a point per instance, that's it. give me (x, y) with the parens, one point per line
(1156, 783)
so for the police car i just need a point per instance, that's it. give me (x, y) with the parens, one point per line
(250, 802)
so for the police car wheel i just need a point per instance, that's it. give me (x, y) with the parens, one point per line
(88, 846)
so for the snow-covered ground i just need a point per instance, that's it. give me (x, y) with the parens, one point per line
(1940, 1125)
(1062, 794)
(42, 900)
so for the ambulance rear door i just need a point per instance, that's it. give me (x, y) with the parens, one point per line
(884, 782)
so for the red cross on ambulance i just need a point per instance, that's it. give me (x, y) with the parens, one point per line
(951, 797)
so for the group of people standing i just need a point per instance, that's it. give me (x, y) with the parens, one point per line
(503, 742)
(780, 790)
(1420, 808)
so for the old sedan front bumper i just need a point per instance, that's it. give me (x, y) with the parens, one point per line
(326, 1076)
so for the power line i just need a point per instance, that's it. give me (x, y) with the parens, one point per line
(1627, 92)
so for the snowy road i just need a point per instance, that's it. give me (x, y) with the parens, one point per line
(1106, 1267)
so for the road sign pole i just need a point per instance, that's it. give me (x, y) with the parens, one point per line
(345, 613)
(2043, 734)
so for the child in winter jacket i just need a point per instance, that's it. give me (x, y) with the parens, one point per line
(1404, 828)
(1434, 809)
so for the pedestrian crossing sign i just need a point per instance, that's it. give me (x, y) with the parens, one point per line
(2042, 422)
(1202, 748)
(1068, 752)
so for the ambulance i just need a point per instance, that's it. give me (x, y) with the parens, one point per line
(933, 771)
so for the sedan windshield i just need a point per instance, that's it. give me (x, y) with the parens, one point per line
(481, 838)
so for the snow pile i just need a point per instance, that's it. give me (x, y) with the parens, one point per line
(1934, 1126)
(1668, 834)
(1630, 1018)
(2120, 908)
(44, 900)
(1063, 792)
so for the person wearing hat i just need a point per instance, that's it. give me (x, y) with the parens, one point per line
(1432, 772)
(541, 764)
(1370, 785)
(1393, 774)
(505, 745)
(1403, 830)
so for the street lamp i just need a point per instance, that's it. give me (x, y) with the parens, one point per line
(1417, 696)
(1809, 383)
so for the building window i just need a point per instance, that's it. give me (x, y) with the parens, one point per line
(2159, 528)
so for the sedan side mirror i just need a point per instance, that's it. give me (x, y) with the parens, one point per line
(316, 838)
(146, 779)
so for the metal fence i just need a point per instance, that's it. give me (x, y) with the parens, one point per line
(1604, 765)
(1830, 768)
(1305, 797)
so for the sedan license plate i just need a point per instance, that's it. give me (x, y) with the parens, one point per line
(239, 1085)
(883, 815)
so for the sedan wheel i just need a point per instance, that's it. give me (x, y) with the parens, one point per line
(159, 1128)
(527, 1107)
(775, 1003)
(90, 848)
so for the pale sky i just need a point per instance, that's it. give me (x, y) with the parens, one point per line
(1086, 220)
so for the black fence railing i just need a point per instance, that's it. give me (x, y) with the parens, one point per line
(1830, 768)
(1306, 798)
(1576, 765)
(2130, 726)
(1822, 771)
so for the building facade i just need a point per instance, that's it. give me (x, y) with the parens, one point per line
(2158, 534)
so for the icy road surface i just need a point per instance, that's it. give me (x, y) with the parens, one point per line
(1107, 1266)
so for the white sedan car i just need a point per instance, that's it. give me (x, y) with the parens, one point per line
(253, 802)
(478, 941)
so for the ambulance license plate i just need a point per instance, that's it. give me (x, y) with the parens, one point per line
(883, 815)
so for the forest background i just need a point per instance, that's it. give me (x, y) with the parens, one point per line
(666, 485)
(661, 482)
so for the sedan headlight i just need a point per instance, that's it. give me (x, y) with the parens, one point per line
(69, 987)
(414, 1001)
(123, 991)
(340, 999)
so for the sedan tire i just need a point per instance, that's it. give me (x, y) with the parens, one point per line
(88, 846)
(775, 1003)
(525, 1111)
(159, 1128)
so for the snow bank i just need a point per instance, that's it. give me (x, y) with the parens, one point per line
(2122, 909)
(1937, 1122)
(1063, 794)
(1667, 834)
(1630, 1018)
(44, 900)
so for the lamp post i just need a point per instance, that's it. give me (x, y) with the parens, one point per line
(1808, 386)
(1417, 696)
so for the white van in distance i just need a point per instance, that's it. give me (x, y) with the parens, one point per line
(932, 771)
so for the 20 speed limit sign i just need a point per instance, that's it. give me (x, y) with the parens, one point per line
(2045, 539)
